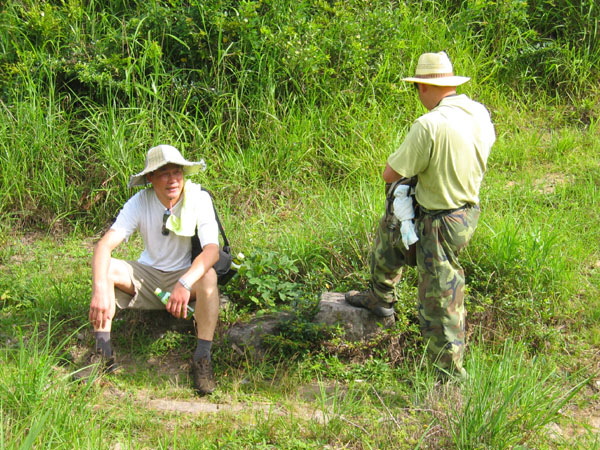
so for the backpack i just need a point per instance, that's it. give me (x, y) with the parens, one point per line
(223, 266)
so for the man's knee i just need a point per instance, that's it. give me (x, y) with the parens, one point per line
(206, 286)
(120, 276)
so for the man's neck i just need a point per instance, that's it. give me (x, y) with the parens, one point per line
(451, 94)
(167, 202)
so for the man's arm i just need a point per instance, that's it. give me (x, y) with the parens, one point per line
(390, 175)
(102, 306)
(180, 296)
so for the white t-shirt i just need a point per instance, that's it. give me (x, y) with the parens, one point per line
(144, 212)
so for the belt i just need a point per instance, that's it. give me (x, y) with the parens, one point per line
(435, 213)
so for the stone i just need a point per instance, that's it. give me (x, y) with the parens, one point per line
(160, 321)
(358, 323)
(249, 336)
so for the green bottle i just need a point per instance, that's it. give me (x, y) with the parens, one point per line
(164, 297)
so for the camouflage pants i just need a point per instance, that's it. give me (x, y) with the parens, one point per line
(441, 278)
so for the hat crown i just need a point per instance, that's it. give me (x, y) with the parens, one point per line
(161, 155)
(436, 69)
(434, 64)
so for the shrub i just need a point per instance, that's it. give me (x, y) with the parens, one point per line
(265, 280)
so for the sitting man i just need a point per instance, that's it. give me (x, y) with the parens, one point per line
(446, 150)
(161, 213)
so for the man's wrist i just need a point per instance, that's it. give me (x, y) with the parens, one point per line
(185, 284)
(99, 286)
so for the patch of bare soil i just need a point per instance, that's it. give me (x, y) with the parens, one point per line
(225, 405)
(549, 183)
(176, 366)
(579, 420)
(206, 406)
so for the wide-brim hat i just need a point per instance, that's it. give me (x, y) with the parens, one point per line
(436, 69)
(161, 155)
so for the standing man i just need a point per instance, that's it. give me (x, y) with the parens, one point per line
(446, 150)
(166, 214)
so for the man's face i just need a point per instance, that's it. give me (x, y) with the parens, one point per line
(424, 92)
(168, 183)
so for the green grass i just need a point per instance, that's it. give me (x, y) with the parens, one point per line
(295, 107)
(508, 400)
(307, 401)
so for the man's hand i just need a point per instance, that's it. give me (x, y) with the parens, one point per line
(102, 306)
(178, 302)
(101, 310)
(180, 297)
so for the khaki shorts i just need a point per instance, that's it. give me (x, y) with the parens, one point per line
(145, 280)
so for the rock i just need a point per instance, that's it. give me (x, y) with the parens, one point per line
(358, 323)
(249, 336)
(156, 320)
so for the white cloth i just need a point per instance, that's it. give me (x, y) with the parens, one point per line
(144, 212)
(404, 212)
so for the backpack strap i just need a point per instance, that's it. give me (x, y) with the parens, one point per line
(196, 246)
(221, 229)
(223, 266)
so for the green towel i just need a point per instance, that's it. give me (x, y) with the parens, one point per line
(185, 225)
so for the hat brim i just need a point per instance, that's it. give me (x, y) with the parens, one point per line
(442, 81)
(189, 168)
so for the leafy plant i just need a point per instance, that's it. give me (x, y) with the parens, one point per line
(265, 280)
(299, 334)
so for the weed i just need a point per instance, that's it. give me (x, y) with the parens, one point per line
(507, 402)
(265, 280)
(300, 334)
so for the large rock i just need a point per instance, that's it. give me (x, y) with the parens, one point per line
(358, 324)
(249, 336)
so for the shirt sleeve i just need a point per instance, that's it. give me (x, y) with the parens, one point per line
(128, 219)
(208, 230)
(412, 157)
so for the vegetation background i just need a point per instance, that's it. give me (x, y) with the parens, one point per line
(295, 106)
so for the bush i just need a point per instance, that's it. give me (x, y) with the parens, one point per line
(265, 281)
(543, 45)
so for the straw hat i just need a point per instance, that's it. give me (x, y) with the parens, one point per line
(161, 155)
(436, 69)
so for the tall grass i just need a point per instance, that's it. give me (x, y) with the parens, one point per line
(284, 90)
(508, 399)
(39, 405)
(537, 44)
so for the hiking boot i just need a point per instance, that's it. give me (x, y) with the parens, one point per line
(366, 299)
(445, 376)
(204, 378)
(95, 363)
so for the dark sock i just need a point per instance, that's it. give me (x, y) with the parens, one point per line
(202, 350)
(103, 343)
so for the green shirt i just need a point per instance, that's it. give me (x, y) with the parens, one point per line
(448, 149)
